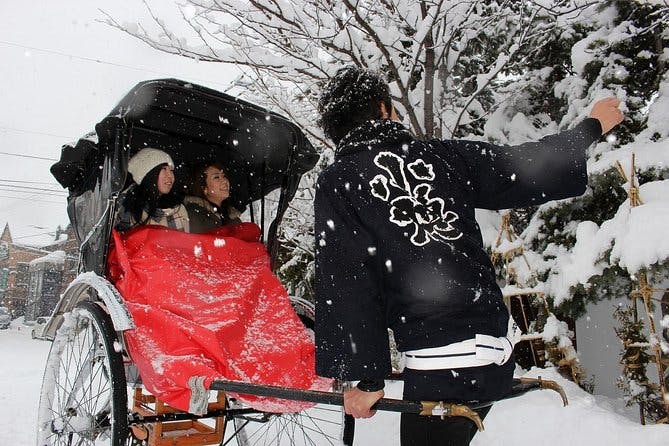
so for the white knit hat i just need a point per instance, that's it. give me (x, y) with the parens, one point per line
(145, 160)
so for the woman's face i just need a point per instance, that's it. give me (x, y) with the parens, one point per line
(165, 180)
(218, 186)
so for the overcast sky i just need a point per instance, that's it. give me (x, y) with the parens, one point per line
(62, 72)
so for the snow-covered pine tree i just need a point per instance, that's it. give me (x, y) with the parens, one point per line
(588, 249)
(622, 51)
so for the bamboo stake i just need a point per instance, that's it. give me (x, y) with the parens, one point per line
(507, 231)
(645, 291)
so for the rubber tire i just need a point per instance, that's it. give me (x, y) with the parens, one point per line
(87, 360)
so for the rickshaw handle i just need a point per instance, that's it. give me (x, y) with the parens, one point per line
(434, 408)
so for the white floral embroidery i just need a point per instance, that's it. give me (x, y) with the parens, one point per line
(420, 170)
(414, 208)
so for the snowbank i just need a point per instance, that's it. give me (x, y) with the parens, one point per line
(535, 418)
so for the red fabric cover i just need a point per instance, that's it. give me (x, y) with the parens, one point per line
(209, 305)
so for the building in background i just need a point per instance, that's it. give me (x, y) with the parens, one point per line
(44, 284)
(32, 278)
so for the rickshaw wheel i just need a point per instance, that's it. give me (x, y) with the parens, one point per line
(84, 396)
(319, 425)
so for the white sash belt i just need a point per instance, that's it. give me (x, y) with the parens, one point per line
(480, 351)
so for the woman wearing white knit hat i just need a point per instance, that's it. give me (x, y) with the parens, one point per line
(151, 200)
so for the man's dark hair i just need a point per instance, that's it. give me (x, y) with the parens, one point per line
(350, 98)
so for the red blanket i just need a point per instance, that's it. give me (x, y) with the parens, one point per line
(208, 305)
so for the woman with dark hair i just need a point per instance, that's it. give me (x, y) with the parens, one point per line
(151, 200)
(208, 204)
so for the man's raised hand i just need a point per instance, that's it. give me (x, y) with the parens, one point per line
(607, 113)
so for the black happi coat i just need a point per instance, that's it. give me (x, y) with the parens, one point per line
(398, 245)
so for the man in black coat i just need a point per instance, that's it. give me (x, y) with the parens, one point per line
(397, 245)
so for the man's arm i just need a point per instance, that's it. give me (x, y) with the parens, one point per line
(533, 173)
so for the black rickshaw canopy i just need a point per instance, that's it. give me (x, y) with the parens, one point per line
(262, 151)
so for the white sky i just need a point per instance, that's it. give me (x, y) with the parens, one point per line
(62, 72)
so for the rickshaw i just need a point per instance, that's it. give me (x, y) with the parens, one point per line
(85, 397)
(91, 392)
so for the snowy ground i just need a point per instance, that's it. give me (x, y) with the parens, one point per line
(587, 421)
